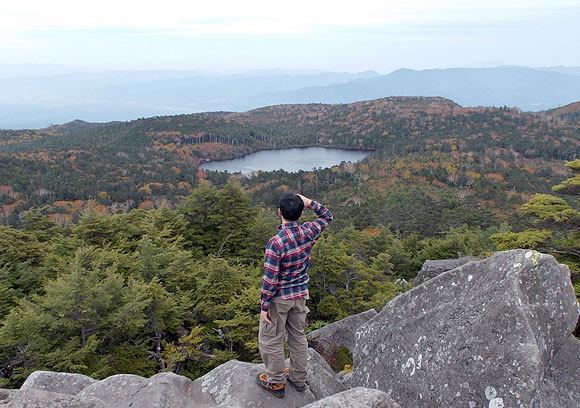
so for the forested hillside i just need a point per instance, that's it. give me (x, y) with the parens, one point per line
(477, 157)
(569, 113)
(117, 254)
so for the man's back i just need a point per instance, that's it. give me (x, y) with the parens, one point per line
(288, 256)
(284, 294)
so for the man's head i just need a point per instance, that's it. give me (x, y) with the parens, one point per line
(291, 207)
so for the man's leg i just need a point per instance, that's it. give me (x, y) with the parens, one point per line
(271, 343)
(297, 343)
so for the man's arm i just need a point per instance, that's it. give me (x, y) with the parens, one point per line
(270, 278)
(305, 200)
(324, 214)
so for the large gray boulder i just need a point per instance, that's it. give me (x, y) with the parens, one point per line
(341, 333)
(118, 391)
(561, 386)
(233, 384)
(35, 398)
(160, 391)
(320, 378)
(6, 394)
(126, 390)
(432, 268)
(484, 334)
(115, 391)
(165, 390)
(358, 397)
(63, 383)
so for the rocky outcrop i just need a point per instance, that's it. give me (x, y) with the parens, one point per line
(117, 390)
(51, 389)
(63, 383)
(488, 333)
(321, 380)
(561, 386)
(358, 397)
(232, 384)
(6, 394)
(434, 268)
(341, 333)
(33, 398)
(126, 390)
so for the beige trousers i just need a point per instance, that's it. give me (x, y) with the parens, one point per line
(288, 319)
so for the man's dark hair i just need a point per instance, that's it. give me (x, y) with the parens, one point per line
(291, 207)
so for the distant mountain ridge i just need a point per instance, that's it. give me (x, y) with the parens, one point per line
(39, 101)
(526, 88)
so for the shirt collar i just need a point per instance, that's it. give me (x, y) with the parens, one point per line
(289, 225)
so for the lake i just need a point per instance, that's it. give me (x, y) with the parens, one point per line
(290, 160)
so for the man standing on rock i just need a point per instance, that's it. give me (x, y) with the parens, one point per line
(284, 294)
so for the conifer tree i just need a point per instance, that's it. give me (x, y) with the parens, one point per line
(83, 314)
(21, 258)
(558, 221)
(218, 220)
(559, 224)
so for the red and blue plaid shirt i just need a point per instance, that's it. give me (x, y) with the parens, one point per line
(288, 257)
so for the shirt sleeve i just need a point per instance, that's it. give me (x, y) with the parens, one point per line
(271, 275)
(324, 218)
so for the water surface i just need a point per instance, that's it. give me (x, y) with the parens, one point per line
(291, 160)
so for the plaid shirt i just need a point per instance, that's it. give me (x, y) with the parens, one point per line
(288, 257)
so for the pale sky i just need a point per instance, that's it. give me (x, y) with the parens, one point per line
(336, 35)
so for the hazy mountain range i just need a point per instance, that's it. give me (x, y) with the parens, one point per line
(37, 96)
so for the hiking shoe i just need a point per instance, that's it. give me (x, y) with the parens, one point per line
(276, 389)
(299, 388)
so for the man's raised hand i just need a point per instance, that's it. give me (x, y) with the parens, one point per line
(305, 200)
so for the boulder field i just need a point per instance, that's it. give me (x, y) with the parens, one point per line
(488, 333)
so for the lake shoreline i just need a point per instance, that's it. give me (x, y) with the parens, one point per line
(365, 149)
(241, 158)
